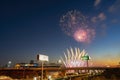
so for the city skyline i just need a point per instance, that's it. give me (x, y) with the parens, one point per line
(28, 28)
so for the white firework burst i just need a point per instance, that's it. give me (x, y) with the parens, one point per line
(75, 58)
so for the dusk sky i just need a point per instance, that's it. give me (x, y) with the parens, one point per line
(31, 27)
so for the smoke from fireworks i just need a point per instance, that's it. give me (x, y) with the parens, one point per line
(76, 25)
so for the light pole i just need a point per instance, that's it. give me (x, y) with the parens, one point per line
(42, 71)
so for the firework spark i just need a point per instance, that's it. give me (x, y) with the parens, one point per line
(76, 25)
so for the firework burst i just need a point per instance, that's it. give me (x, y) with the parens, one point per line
(74, 58)
(76, 25)
(84, 35)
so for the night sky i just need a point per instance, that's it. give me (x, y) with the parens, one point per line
(31, 27)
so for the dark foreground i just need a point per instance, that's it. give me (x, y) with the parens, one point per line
(29, 74)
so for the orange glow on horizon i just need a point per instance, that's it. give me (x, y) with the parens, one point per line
(106, 63)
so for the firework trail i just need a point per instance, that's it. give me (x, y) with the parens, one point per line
(76, 25)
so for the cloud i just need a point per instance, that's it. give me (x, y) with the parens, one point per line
(115, 7)
(114, 21)
(94, 19)
(100, 17)
(99, 20)
(97, 2)
(114, 11)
